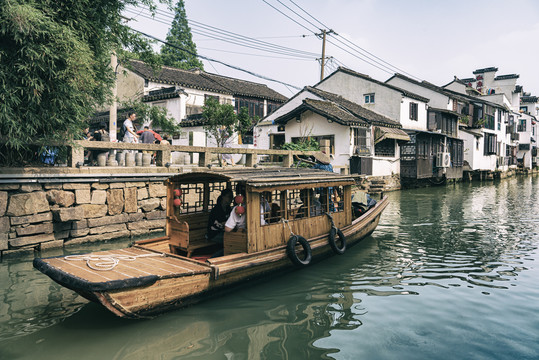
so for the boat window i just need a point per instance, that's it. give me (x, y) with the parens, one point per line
(296, 199)
(271, 206)
(191, 197)
(331, 199)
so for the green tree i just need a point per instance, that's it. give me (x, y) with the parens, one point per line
(157, 116)
(222, 123)
(180, 37)
(55, 67)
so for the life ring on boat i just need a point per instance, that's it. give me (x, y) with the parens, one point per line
(291, 250)
(333, 241)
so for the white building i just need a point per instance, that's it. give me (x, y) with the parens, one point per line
(358, 139)
(184, 92)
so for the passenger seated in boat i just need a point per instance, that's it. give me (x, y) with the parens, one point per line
(218, 217)
(315, 208)
(236, 220)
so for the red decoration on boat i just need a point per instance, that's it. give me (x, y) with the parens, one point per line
(238, 199)
(177, 192)
(240, 210)
(177, 202)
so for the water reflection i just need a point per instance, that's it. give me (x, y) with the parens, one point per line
(464, 253)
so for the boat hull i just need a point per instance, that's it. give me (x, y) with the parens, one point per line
(205, 280)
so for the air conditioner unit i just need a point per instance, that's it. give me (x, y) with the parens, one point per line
(443, 159)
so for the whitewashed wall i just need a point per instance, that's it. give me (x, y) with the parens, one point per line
(421, 122)
(353, 88)
(316, 125)
(437, 100)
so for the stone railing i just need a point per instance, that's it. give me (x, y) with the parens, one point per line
(163, 152)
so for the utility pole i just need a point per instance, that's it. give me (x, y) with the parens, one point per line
(323, 59)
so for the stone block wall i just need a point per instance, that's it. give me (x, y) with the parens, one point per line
(43, 216)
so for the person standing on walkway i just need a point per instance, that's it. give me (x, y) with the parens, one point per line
(147, 137)
(130, 134)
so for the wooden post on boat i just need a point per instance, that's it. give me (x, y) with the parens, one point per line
(252, 200)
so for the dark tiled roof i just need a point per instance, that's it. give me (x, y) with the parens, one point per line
(201, 80)
(246, 88)
(484, 70)
(161, 95)
(327, 109)
(445, 111)
(433, 87)
(193, 120)
(518, 89)
(173, 76)
(467, 80)
(359, 111)
(474, 99)
(505, 77)
(367, 77)
(529, 99)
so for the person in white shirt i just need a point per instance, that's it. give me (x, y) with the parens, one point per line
(130, 133)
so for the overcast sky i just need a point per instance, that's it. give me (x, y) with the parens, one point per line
(431, 40)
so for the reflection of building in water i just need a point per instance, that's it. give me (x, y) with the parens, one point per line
(29, 303)
(286, 327)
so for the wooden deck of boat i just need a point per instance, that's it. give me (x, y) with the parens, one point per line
(144, 263)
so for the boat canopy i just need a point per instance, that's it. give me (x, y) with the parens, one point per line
(260, 179)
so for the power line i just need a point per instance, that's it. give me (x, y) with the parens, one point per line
(239, 42)
(241, 53)
(214, 60)
(359, 50)
(201, 26)
(287, 16)
(357, 46)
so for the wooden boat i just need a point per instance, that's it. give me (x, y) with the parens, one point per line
(305, 215)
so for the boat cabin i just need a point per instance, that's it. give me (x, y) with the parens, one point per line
(277, 204)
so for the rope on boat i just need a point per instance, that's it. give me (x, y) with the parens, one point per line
(331, 219)
(289, 228)
(107, 262)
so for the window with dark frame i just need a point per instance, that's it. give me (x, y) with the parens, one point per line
(362, 142)
(490, 145)
(413, 111)
(206, 97)
(385, 148)
(369, 98)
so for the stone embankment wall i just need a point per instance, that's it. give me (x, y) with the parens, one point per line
(43, 216)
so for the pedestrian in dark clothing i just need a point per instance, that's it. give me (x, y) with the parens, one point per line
(218, 216)
(147, 137)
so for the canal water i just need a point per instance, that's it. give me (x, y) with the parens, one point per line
(451, 272)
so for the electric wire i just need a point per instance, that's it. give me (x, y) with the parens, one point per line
(284, 52)
(381, 64)
(217, 61)
(354, 44)
(198, 26)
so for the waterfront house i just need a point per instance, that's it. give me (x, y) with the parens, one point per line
(360, 141)
(503, 91)
(184, 92)
(433, 136)
(445, 109)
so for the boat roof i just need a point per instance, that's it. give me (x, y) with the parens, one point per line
(272, 177)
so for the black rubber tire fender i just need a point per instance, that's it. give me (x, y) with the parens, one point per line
(291, 250)
(333, 241)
